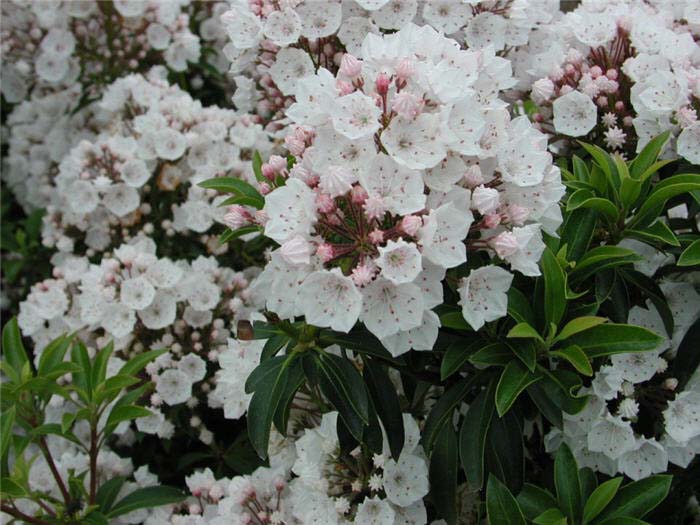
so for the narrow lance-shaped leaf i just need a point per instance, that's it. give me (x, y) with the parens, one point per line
(567, 483)
(502, 508)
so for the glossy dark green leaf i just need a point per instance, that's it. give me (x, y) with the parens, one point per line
(662, 192)
(7, 420)
(519, 307)
(146, 498)
(456, 355)
(472, 436)
(580, 324)
(135, 364)
(551, 516)
(554, 288)
(534, 500)
(443, 474)
(494, 354)
(602, 257)
(652, 291)
(526, 351)
(567, 483)
(501, 507)
(654, 234)
(387, 405)
(524, 331)
(647, 157)
(505, 450)
(611, 338)
(108, 492)
(52, 355)
(638, 498)
(577, 232)
(687, 357)
(514, 379)
(442, 412)
(545, 405)
(233, 185)
(691, 255)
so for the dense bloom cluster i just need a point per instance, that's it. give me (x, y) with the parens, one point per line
(619, 73)
(396, 167)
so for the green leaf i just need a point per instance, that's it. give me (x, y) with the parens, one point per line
(649, 288)
(600, 498)
(52, 355)
(82, 378)
(687, 357)
(135, 364)
(605, 163)
(454, 320)
(589, 482)
(264, 373)
(494, 354)
(656, 233)
(567, 483)
(67, 421)
(257, 167)
(443, 474)
(12, 347)
(514, 379)
(636, 499)
(342, 384)
(505, 455)
(545, 405)
(501, 506)
(691, 255)
(7, 420)
(610, 338)
(524, 331)
(233, 185)
(11, 489)
(577, 232)
(386, 403)
(519, 307)
(99, 365)
(600, 258)
(574, 355)
(146, 498)
(554, 288)
(442, 412)
(665, 190)
(647, 157)
(583, 199)
(273, 345)
(472, 436)
(580, 324)
(124, 413)
(561, 386)
(526, 351)
(456, 355)
(243, 200)
(266, 398)
(551, 516)
(108, 492)
(230, 235)
(95, 518)
(534, 500)
(295, 378)
(623, 520)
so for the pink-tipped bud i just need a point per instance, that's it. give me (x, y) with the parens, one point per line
(268, 171)
(358, 194)
(295, 146)
(376, 236)
(324, 203)
(602, 101)
(374, 207)
(194, 509)
(237, 216)
(362, 274)
(343, 87)
(407, 105)
(628, 121)
(411, 224)
(279, 484)
(279, 164)
(382, 83)
(619, 105)
(611, 74)
(518, 214)
(565, 90)
(350, 66)
(492, 220)
(595, 71)
(671, 383)
(504, 244)
(264, 188)
(216, 493)
(473, 176)
(324, 252)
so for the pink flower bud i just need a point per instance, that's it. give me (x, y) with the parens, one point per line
(473, 176)
(268, 171)
(279, 484)
(343, 87)
(382, 83)
(619, 105)
(279, 164)
(671, 383)
(595, 71)
(358, 194)
(264, 188)
(504, 244)
(492, 220)
(376, 236)
(602, 101)
(296, 250)
(324, 203)
(236, 217)
(362, 274)
(411, 224)
(324, 252)
(216, 493)
(295, 146)
(518, 214)
(375, 208)
(611, 74)
(350, 66)
(407, 105)
(628, 121)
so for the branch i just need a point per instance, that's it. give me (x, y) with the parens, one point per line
(17, 514)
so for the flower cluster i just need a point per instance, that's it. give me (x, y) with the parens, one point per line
(398, 173)
(619, 73)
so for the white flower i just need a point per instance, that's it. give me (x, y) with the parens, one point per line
(575, 114)
(390, 308)
(485, 200)
(689, 143)
(466, 122)
(319, 19)
(174, 386)
(328, 298)
(530, 248)
(416, 143)
(137, 293)
(194, 366)
(446, 15)
(336, 180)
(542, 90)
(160, 313)
(118, 320)
(484, 295)
(682, 416)
(395, 14)
(82, 196)
(121, 199)
(443, 233)
(291, 65)
(291, 210)
(297, 250)
(356, 116)
(135, 173)
(647, 458)
(170, 144)
(612, 436)
(283, 27)
(400, 188)
(486, 29)
(243, 27)
(374, 511)
(399, 261)
(405, 481)
(636, 367)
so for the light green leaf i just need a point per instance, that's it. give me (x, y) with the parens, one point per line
(610, 338)
(551, 516)
(574, 355)
(636, 499)
(691, 255)
(578, 325)
(600, 498)
(524, 331)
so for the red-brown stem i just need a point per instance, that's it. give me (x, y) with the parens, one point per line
(18, 514)
(93, 463)
(57, 476)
